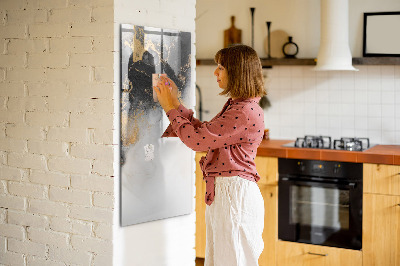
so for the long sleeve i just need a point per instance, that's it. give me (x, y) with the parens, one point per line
(186, 113)
(225, 130)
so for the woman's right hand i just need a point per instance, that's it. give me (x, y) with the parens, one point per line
(174, 91)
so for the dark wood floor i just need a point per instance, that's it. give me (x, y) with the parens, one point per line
(199, 262)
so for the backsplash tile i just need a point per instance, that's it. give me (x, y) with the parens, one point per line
(364, 103)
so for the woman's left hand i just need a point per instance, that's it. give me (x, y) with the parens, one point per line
(163, 91)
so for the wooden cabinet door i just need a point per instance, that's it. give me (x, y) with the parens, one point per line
(381, 230)
(270, 233)
(381, 179)
(267, 168)
(200, 210)
(297, 254)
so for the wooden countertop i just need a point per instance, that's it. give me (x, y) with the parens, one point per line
(379, 154)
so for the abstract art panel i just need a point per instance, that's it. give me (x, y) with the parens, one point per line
(156, 173)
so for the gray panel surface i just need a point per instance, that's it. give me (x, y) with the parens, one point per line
(156, 173)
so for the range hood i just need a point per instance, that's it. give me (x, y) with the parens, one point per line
(334, 51)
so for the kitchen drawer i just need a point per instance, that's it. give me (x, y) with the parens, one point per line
(298, 254)
(267, 168)
(381, 179)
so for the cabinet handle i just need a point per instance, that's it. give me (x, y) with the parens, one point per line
(398, 204)
(318, 254)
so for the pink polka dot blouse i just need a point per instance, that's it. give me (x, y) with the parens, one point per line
(231, 139)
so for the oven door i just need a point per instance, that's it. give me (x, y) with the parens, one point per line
(322, 212)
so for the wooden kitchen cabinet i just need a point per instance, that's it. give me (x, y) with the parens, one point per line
(381, 179)
(381, 215)
(270, 233)
(298, 254)
(381, 229)
(200, 209)
(267, 167)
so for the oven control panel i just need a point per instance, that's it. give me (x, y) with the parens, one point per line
(331, 169)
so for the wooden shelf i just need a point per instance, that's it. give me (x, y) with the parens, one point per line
(376, 61)
(312, 61)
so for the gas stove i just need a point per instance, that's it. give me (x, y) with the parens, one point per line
(325, 142)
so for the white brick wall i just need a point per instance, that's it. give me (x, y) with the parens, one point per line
(56, 126)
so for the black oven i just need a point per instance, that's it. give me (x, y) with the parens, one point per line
(320, 202)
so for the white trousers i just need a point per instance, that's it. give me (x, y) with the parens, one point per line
(234, 223)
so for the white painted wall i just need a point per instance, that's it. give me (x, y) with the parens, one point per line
(338, 104)
(299, 18)
(169, 241)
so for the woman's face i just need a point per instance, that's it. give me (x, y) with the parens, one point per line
(222, 76)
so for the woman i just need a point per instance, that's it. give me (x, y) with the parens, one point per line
(235, 207)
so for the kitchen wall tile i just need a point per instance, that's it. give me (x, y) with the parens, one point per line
(397, 123)
(286, 120)
(322, 74)
(298, 120)
(397, 92)
(348, 132)
(361, 97)
(347, 122)
(335, 122)
(322, 109)
(310, 130)
(374, 123)
(361, 123)
(397, 133)
(389, 136)
(387, 72)
(361, 110)
(285, 72)
(374, 97)
(334, 77)
(308, 72)
(374, 110)
(388, 97)
(348, 95)
(397, 110)
(335, 95)
(348, 77)
(374, 70)
(310, 109)
(375, 136)
(334, 109)
(397, 71)
(347, 109)
(297, 83)
(323, 102)
(360, 83)
(388, 84)
(284, 83)
(388, 124)
(322, 121)
(360, 133)
(297, 72)
(285, 132)
(325, 131)
(322, 95)
(388, 110)
(310, 95)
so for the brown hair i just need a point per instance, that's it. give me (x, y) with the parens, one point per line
(245, 78)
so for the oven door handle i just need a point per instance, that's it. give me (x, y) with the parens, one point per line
(329, 184)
